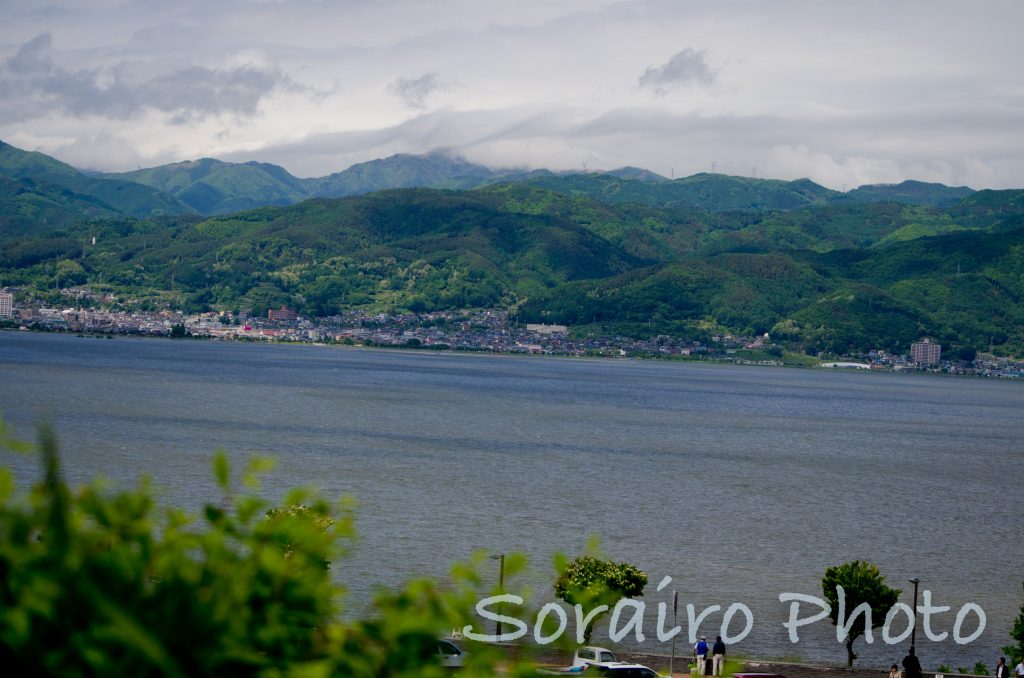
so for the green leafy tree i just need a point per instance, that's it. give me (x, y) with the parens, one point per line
(1016, 652)
(68, 272)
(92, 583)
(862, 582)
(591, 582)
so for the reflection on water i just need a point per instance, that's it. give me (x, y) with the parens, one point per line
(740, 483)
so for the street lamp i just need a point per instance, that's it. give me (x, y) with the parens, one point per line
(500, 557)
(913, 629)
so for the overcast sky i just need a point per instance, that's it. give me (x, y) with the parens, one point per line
(845, 93)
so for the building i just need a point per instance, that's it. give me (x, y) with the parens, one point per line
(283, 313)
(541, 328)
(925, 352)
(6, 305)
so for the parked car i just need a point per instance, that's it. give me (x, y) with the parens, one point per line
(613, 669)
(450, 654)
(590, 654)
(621, 670)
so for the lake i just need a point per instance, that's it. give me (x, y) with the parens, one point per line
(741, 483)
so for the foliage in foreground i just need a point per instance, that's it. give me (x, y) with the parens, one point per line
(91, 583)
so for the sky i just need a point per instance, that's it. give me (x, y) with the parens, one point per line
(845, 93)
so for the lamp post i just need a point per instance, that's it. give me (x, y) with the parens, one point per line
(675, 616)
(913, 629)
(500, 557)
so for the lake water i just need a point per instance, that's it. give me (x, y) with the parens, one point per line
(740, 483)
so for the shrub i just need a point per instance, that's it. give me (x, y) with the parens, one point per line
(92, 583)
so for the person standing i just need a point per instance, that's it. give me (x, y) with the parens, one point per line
(1002, 670)
(894, 671)
(911, 666)
(700, 653)
(1018, 670)
(718, 654)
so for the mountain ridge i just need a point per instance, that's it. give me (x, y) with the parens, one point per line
(123, 197)
(210, 186)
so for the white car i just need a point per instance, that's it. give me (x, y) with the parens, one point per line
(589, 654)
(450, 654)
(622, 670)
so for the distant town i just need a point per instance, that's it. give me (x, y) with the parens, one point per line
(490, 331)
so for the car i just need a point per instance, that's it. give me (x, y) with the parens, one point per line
(590, 654)
(451, 656)
(621, 670)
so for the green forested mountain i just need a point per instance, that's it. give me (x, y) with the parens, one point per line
(627, 250)
(214, 187)
(712, 192)
(29, 207)
(838, 278)
(210, 186)
(909, 192)
(636, 173)
(843, 301)
(119, 197)
(435, 170)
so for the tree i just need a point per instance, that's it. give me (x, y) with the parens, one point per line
(91, 583)
(68, 272)
(591, 582)
(1016, 652)
(862, 582)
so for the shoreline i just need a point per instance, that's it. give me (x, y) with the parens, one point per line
(507, 354)
(789, 669)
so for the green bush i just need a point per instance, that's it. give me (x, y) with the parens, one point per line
(862, 582)
(93, 583)
(1015, 652)
(593, 582)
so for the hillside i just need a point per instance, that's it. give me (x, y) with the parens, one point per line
(122, 197)
(836, 278)
(711, 192)
(213, 187)
(909, 192)
(435, 170)
(29, 208)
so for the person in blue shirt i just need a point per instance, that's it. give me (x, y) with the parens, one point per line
(700, 652)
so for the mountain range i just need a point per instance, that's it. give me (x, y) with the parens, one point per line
(54, 192)
(625, 251)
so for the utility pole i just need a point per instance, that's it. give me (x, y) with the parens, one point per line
(913, 629)
(675, 615)
(500, 557)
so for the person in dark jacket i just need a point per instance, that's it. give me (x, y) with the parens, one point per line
(1002, 670)
(911, 666)
(718, 653)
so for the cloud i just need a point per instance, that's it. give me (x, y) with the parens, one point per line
(414, 92)
(686, 67)
(523, 85)
(780, 147)
(32, 84)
